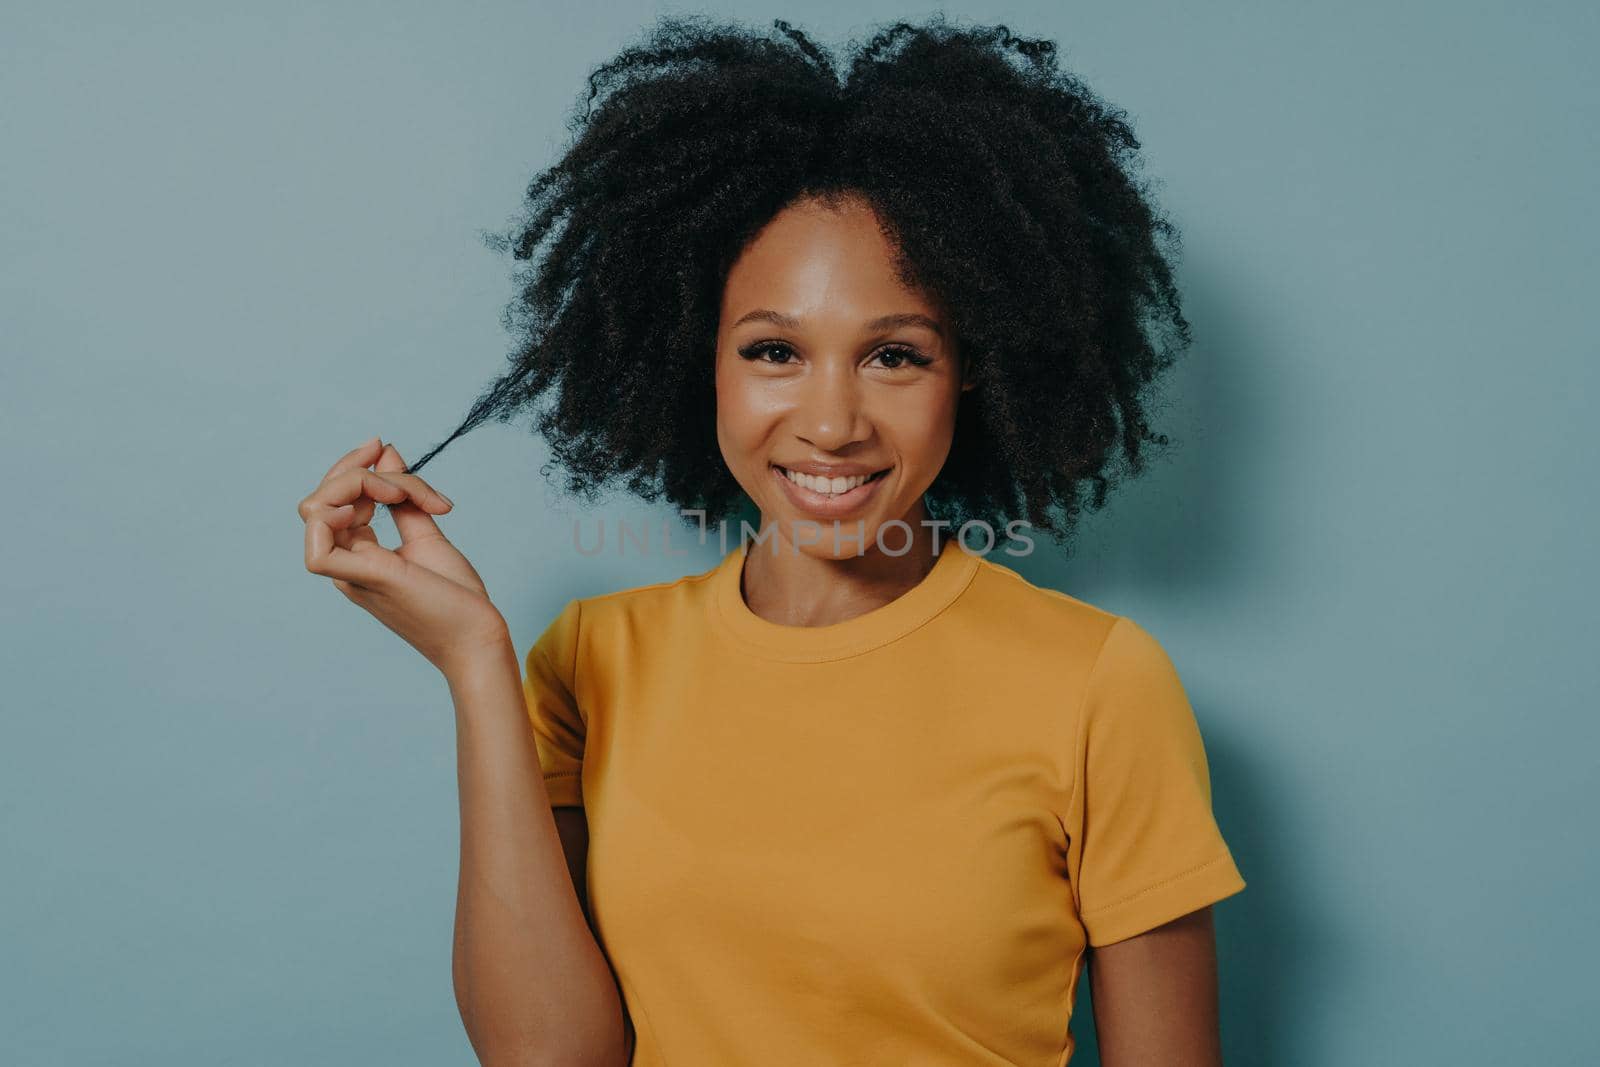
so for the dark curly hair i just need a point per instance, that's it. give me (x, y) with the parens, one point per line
(1009, 190)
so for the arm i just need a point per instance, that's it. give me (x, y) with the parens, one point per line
(1147, 860)
(572, 823)
(1155, 996)
(530, 980)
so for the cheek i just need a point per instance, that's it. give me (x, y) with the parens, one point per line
(922, 432)
(743, 412)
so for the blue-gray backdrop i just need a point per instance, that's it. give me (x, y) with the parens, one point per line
(236, 243)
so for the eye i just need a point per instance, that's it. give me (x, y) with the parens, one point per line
(894, 357)
(754, 352)
(902, 355)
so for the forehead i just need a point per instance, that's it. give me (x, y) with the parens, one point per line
(816, 261)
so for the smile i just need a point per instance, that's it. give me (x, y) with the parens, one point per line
(819, 495)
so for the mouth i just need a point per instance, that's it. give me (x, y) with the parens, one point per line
(808, 492)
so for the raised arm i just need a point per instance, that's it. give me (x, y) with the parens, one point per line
(531, 982)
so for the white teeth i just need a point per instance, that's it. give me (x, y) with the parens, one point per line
(830, 486)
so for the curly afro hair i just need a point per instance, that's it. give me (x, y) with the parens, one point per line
(1009, 190)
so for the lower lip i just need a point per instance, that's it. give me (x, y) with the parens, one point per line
(828, 507)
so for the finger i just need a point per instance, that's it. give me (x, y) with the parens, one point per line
(349, 522)
(390, 488)
(392, 466)
(417, 492)
(371, 568)
(339, 518)
(344, 486)
(351, 536)
(359, 456)
(349, 486)
(365, 508)
(409, 520)
(362, 509)
(347, 517)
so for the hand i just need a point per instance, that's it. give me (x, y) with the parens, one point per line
(424, 590)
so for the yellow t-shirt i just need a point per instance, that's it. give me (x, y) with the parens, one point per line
(884, 841)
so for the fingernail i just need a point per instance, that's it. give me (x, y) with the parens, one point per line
(447, 500)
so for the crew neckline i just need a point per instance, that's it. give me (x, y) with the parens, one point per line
(953, 570)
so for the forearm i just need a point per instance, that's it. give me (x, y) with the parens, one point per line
(531, 984)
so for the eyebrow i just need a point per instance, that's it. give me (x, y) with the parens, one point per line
(883, 322)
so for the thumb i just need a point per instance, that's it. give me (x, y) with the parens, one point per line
(410, 521)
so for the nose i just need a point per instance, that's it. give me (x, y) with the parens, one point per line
(830, 414)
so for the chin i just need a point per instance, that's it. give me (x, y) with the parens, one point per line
(856, 537)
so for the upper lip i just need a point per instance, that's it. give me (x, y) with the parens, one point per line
(829, 470)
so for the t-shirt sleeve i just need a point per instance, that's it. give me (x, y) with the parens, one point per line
(559, 725)
(1147, 848)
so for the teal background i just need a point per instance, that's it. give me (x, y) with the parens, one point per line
(238, 242)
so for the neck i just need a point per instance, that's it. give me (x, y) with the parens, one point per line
(810, 586)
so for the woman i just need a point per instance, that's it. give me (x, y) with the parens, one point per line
(858, 793)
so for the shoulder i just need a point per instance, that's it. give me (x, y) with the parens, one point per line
(1119, 670)
(601, 621)
(619, 622)
(1116, 640)
(594, 637)
(1018, 610)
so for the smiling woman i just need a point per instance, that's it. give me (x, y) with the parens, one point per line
(868, 797)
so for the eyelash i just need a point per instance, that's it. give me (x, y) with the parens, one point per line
(909, 354)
